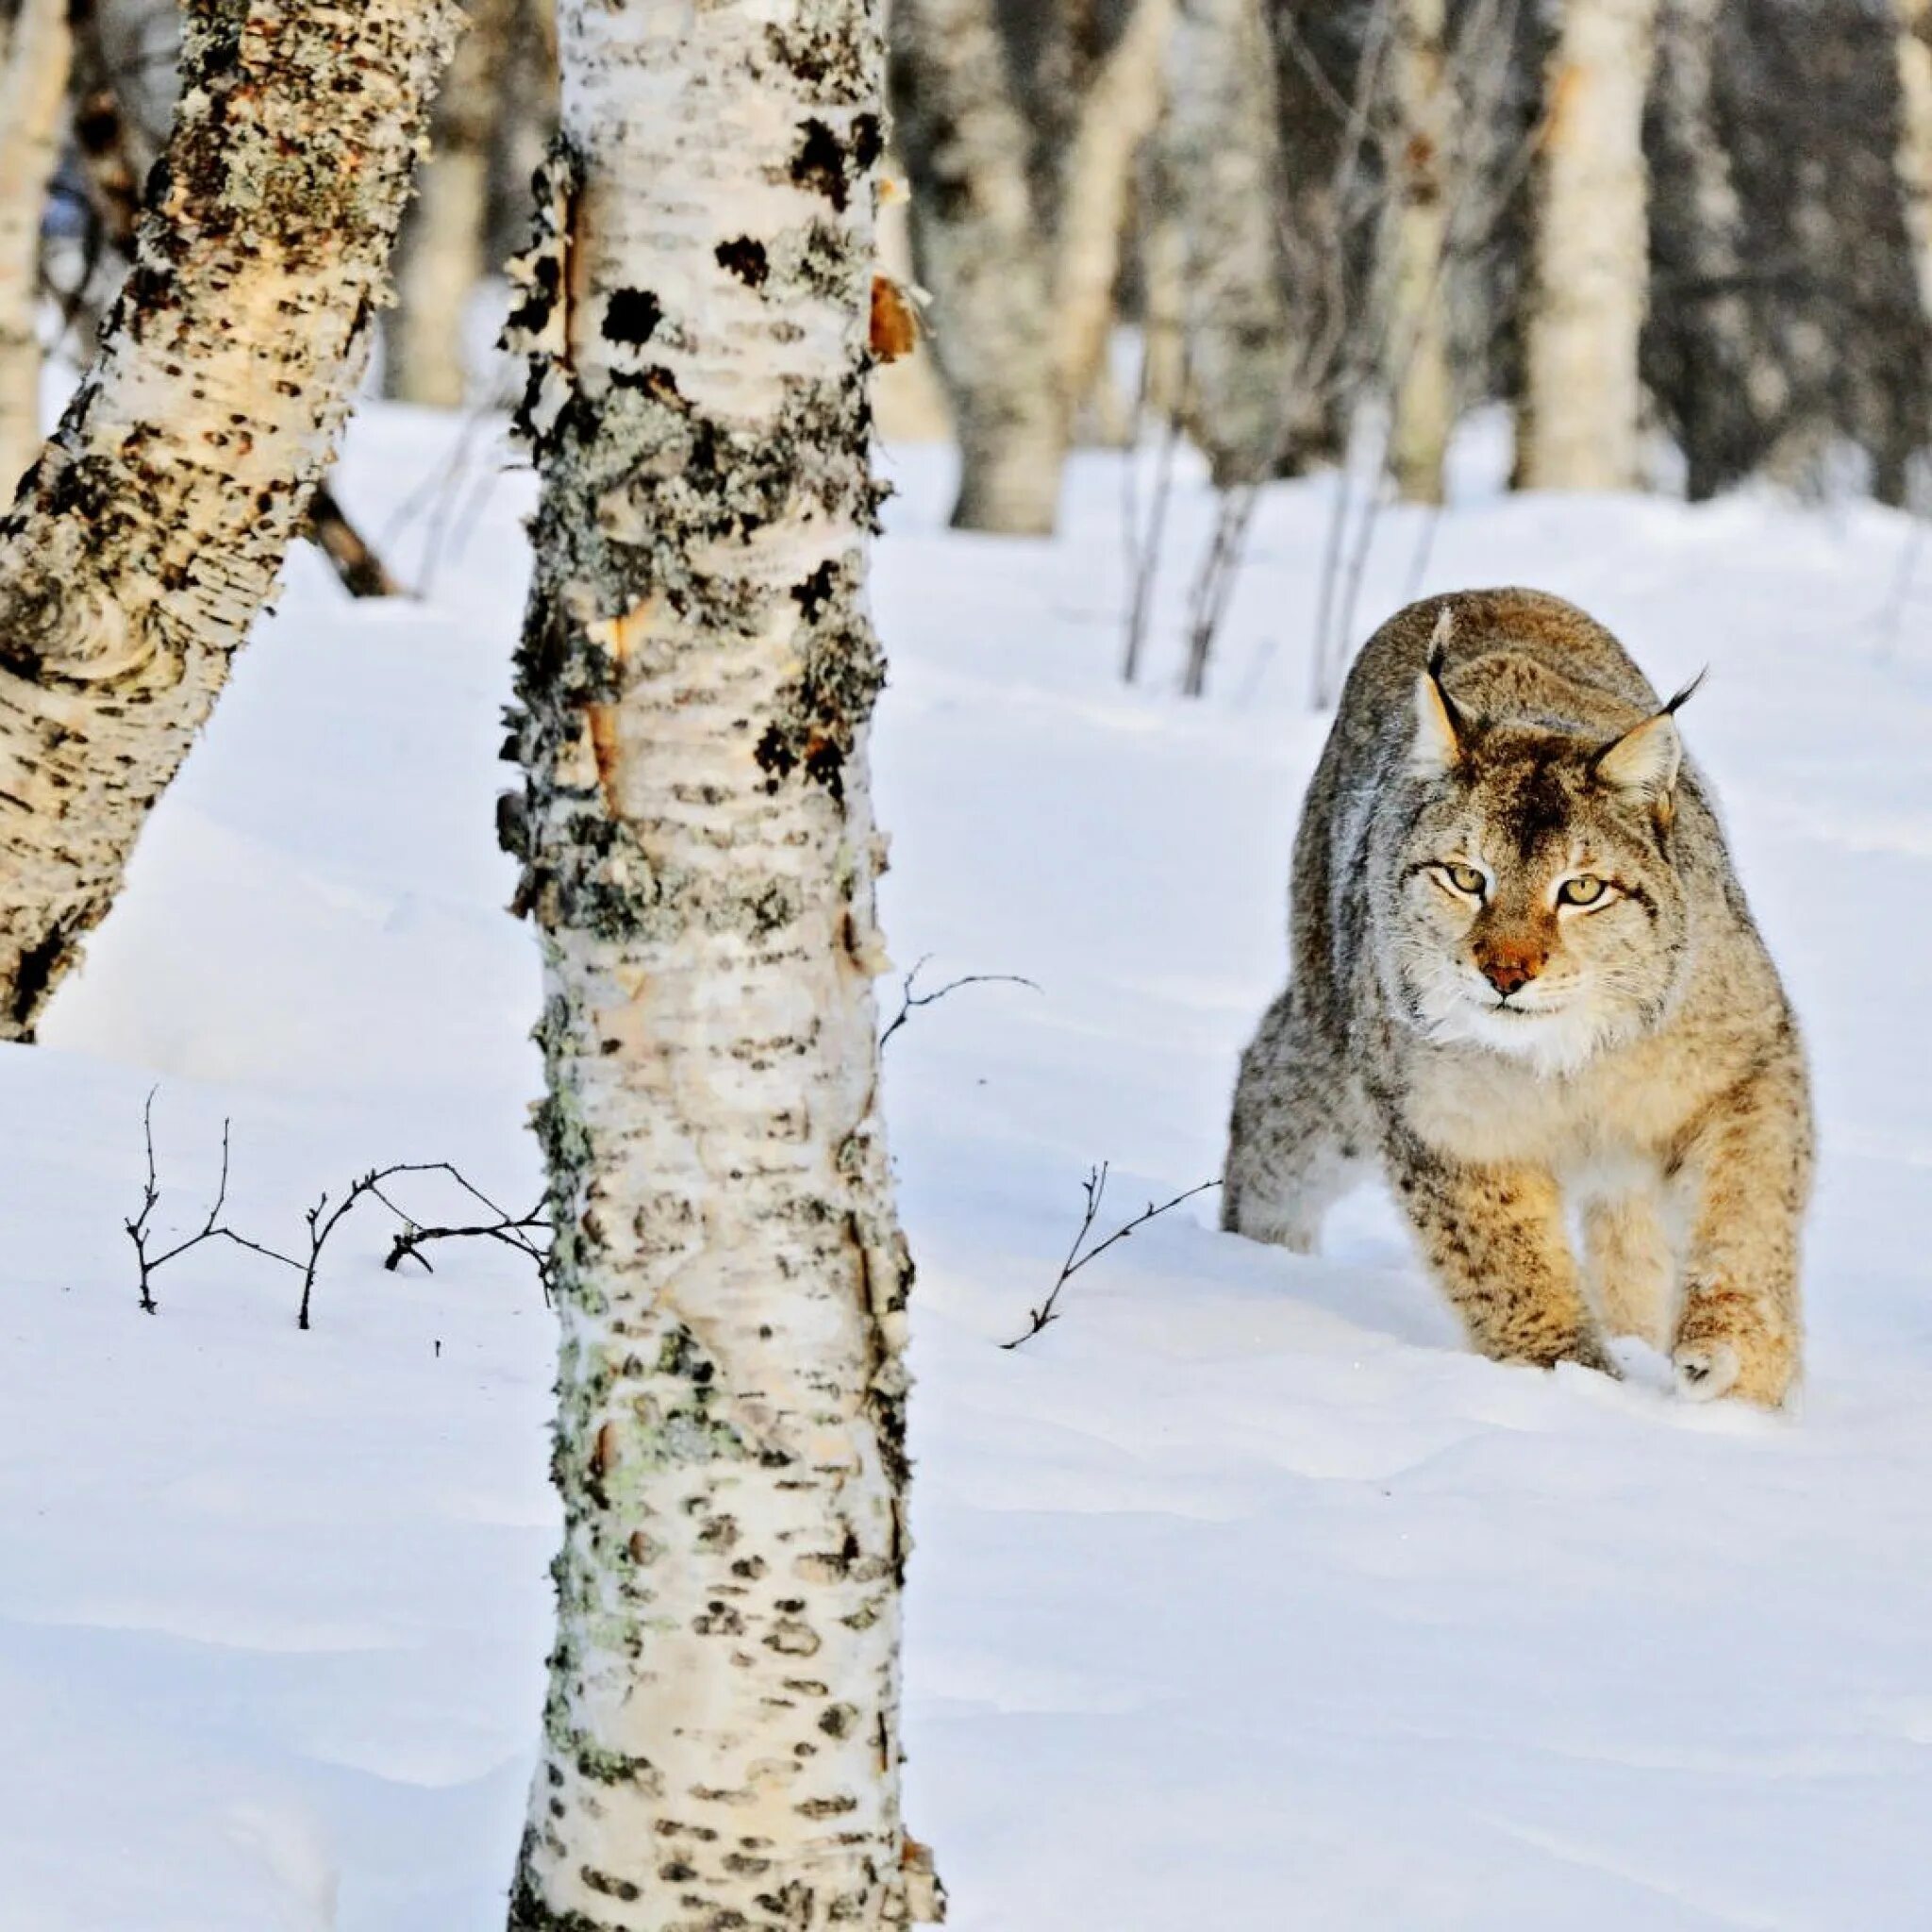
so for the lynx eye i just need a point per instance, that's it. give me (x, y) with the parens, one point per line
(1586, 889)
(1465, 878)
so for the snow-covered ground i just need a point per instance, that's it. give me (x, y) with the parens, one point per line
(1245, 1597)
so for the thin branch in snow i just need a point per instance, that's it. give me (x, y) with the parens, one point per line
(514, 1231)
(508, 1228)
(213, 1230)
(909, 1000)
(1080, 1254)
(517, 1231)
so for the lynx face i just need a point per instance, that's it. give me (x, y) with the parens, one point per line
(1537, 911)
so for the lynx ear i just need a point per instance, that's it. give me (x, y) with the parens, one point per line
(1439, 722)
(1647, 759)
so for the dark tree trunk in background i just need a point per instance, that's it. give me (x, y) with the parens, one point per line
(1699, 350)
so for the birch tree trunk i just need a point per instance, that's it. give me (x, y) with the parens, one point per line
(721, 1740)
(1222, 174)
(1915, 39)
(1421, 385)
(1589, 272)
(34, 55)
(980, 247)
(443, 254)
(150, 530)
(1119, 112)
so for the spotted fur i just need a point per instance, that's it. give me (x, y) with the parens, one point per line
(1511, 1059)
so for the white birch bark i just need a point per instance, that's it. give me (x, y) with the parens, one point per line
(443, 254)
(34, 55)
(1578, 428)
(1416, 238)
(720, 1741)
(1914, 40)
(1120, 110)
(981, 247)
(152, 526)
(1222, 168)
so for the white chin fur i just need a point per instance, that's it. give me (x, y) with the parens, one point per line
(1553, 1042)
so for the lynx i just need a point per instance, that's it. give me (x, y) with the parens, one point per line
(1527, 986)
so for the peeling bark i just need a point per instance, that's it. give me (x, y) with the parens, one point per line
(443, 254)
(150, 530)
(35, 48)
(1582, 402)
(720, 1738)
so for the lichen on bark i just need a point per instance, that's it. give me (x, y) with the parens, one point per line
(694, 689)
(150, 530)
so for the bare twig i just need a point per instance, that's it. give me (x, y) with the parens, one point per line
(1234, 514)
(517, 1231)
(1095, 1188)
(323, 1222)
(514, 1231)
(358, 568)
(909, 1000)
(213, 1230)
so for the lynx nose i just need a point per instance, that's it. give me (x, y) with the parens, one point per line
(1509, 972)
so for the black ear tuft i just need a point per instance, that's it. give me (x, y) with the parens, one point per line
(1689, 693)
(1439, 646)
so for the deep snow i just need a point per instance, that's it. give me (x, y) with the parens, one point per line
(1245, 1597)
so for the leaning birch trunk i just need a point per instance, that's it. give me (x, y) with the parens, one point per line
(1122, 106)
(1221, 169)
(1422, 388)
(721, 1738)
(34, 52)
(150, 530)
(1915, 39)
(1591, 270)
(981, 248)
(443, 254)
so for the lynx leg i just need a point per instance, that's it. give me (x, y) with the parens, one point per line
(1632, 1270)
(1292, 1149)
(1494, 1239)
(1747, 1172)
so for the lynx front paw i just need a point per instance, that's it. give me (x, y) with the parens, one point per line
(1706, 1371)
(1729, 1344)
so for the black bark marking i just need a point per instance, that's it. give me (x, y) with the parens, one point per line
(820, 164)
(744, 258)
(632, 316)
(533, 311)
(40, 966)
(816, 592)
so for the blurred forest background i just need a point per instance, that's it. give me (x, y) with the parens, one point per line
(1684, 242)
